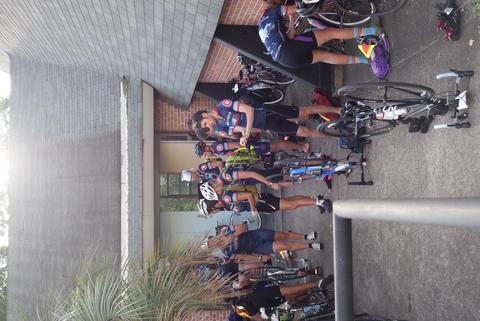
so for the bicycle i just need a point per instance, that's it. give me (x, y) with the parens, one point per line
(281, 275)
(259, 81)
(345, 13)
(325, 168)
(373, 109)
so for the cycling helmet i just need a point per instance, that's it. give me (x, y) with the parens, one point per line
(200, 148)
(208, 192)
(306, 10)
(203, 207)
(186, 176)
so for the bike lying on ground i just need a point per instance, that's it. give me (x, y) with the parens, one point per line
(376, 108)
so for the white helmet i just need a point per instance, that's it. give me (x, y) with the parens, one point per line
(208, 192)
(203, 207)
(186, 176)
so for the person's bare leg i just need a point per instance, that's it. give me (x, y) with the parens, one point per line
(327, 34)
(296, 290)
(286, 146)
(285, 245)
(329, 57)
(291, 203)
(305, 111)
(307, 132)
(292, 236)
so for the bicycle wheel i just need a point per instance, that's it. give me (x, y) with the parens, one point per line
(269, 96)
(382, 7)
(253, 222)
(345, 127)
(331, 14)
(273, 77)
(379, 94)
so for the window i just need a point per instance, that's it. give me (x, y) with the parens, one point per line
(177, 196)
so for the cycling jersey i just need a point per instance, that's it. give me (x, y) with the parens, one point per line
(208, 172)
(220, 148)
(272, 30)
(231, 174)
(231, 203)
(231, 117)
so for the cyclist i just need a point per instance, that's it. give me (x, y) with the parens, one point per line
(296, 51)
(269, 296)
(228, 148)
(245, 198)
(229, 118)
(210, 169)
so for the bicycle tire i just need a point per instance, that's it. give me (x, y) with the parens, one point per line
(344, 127)
(330, 13)
(382, 7)
(377, 92)
(270, 96)
(239, 218)
(272, 77)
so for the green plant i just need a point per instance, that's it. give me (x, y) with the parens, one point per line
(166, 287)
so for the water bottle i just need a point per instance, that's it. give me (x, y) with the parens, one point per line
(391, 114)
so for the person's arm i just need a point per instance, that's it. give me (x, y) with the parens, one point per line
(245, 196)
(258, 177)
(240, 229)
(245, 257)
(216, 163)
(250, 114)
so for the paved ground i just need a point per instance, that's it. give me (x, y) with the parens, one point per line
(409, 271)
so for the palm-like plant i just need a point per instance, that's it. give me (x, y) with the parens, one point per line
(165, 288)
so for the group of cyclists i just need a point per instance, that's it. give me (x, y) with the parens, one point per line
(240, 253)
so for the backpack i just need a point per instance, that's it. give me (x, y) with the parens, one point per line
(244, 157)
(448, 20)
(243, 189)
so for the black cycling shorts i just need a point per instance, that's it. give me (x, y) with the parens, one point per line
(297, 52)
(277, 119)
(268, 203)
(229, 269)
(259, 241)
(268, 296)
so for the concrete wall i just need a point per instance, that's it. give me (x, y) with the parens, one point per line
(185, 226)
(4, 62)
(164, 43)
(64, 185)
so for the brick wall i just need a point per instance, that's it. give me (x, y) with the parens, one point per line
(221, 66)
(169, 118)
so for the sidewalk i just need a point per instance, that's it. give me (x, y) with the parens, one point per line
(408, 271)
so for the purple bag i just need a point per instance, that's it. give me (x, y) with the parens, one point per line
(380, 65)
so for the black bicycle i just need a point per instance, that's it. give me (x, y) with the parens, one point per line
(346, 13)
(260, 82)
(377, 108)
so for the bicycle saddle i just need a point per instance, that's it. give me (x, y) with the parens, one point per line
(460, 73)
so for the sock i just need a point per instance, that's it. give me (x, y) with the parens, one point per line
(352, 60)
(364, 31)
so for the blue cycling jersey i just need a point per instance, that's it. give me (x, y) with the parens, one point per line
(208, 172)
(272, 31)
(231, 203)
(231, 117)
